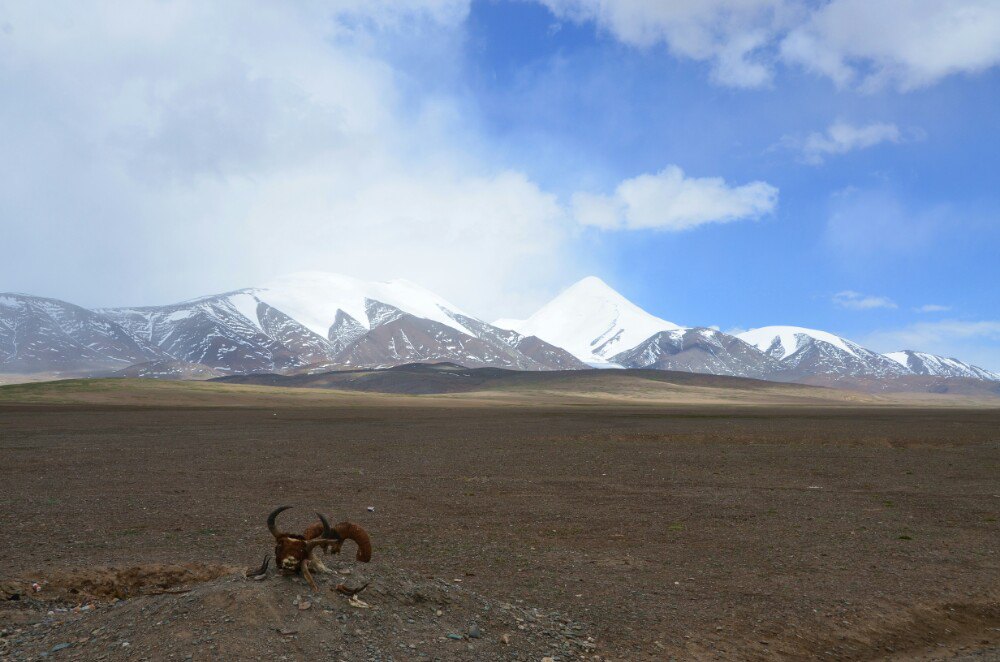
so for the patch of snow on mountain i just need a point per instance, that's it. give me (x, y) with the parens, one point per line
(246, 304)
(179, 315)
(899, 357)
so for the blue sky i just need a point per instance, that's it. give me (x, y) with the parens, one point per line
(913, 222)
(823, 164)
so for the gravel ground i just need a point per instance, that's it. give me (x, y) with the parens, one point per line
(686, 532)
(397, 616)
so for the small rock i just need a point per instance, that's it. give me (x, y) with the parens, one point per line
(59, 647)
(456, 637)
(304, 605)
(505, 638)
(474, 632)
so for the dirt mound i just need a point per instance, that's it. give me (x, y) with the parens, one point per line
(214, 612)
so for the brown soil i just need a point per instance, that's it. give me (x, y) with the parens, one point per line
(688, 531)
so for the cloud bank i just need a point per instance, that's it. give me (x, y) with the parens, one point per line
(906, 44)
(200, 147)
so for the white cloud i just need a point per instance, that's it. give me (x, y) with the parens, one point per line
(856, 301)
(906, 43)
(159, 151)
(932, 308)
(156, 151)
(841, 137)
(977, 343)
(669, 200)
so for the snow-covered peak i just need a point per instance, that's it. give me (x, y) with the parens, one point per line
(313, 298)
(783, 341)
(590, 320)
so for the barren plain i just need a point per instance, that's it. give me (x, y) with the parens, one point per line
(610, 520)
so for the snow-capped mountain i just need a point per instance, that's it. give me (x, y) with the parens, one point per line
(592, 321)
(330, 321)
(700, 350)
(232, 332)
(314, 322)
(921, 363)
(47, 335)
(808, 352)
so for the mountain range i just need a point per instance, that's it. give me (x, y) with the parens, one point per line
(314, 322)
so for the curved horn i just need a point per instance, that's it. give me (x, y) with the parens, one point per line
(270, 521)
(351, 531)
(327, 531)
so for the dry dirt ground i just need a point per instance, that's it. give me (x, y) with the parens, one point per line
(562, 530)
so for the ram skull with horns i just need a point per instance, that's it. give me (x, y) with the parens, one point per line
(297, 553)
(293, 553)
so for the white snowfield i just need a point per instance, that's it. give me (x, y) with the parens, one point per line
(591, 321)
(312, 298)
(792, 338)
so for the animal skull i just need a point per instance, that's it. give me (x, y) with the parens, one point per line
(292, 552)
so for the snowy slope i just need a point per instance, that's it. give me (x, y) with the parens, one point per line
(232, 332)
(313, 299)
(809, 352)
(922, 363)
(591, 321)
